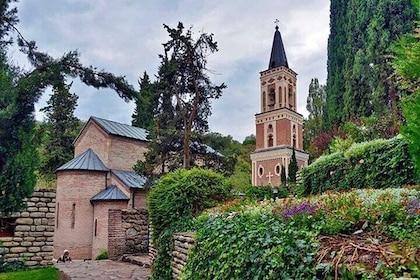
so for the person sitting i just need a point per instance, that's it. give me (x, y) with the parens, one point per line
(65, 257)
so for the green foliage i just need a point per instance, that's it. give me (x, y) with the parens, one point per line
(360, 81)
(103, 255)
(257, 192)
(315, 104)
(250, 245)
(50, 273)
(175, 199)
(145, 103)
(182, 101)
(241, 177)
(375, 164)
(406, 64)
(249, 140)
(12, 266)
(411, 131)
(293, 167)
(60, 129)
(406, 61)
(248, 239)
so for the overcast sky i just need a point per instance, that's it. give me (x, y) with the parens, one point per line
(125, 37)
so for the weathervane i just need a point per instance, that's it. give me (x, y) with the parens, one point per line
(277, 23)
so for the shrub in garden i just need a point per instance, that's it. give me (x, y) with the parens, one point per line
(375, 164)
(175, 199)
(244, 239)
(103, 255)
(251, 245)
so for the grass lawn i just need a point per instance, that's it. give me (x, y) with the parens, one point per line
(50, 273)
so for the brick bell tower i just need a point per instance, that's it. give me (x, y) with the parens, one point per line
(279, 127)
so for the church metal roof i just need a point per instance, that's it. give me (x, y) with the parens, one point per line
(278, 54)
(87, 160)
(111, 192)
(121, 129)
(130, 178)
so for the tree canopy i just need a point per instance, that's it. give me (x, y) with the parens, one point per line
(182, 96)
(360, 81)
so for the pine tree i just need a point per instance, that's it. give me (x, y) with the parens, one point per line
(145, 103)
(182, 104)
(62, 127)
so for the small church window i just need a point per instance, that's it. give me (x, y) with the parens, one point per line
(73, 215)
(270, 140)
(96, 227)
(271, 98)
(260, 171)
(277, 170)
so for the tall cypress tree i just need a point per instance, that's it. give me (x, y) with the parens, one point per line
(359, 82)
(293, 167)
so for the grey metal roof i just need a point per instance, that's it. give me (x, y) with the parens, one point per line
(111, 192)
(121, 129)
(278, 54)
(88, 160)
(130, 178)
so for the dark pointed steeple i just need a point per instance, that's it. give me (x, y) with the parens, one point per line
(278, 55)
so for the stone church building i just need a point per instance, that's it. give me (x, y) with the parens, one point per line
(99, 178)
(279, 127)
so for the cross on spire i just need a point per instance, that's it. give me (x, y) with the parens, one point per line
(277, 23)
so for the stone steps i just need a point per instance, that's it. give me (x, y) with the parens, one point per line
(140, 260)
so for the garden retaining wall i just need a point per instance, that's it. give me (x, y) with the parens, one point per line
(183, 244)
(33, 238)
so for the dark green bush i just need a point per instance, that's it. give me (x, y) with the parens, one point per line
(375, 164)
(175, 199)
(251, 246)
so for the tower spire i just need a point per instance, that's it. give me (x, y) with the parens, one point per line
(278, 54)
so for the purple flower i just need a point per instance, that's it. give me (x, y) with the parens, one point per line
(304, 208)
(413, 206)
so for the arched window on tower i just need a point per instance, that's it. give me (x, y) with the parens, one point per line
(271, 99)
(270, 140)
(264, 102)
(281, 98)
(291, 98)
(294, 135)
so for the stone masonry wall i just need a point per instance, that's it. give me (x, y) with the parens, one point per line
(135, 224)
(183, 243)
(128, 232)
(33, 237)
